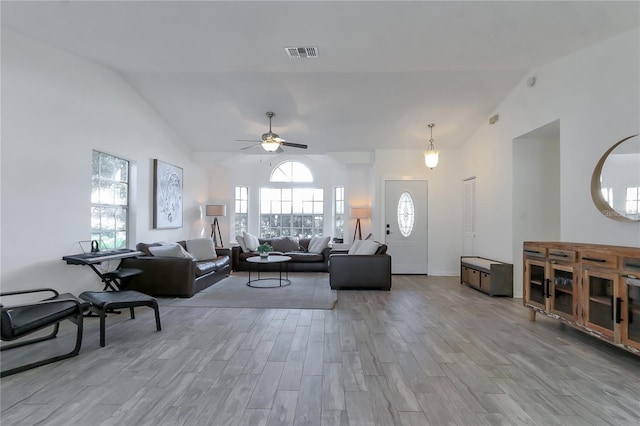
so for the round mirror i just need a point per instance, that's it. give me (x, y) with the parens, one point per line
(615, 184)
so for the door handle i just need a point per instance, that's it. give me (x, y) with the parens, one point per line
(618, 309)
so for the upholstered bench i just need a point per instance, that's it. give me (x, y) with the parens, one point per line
(102, 301)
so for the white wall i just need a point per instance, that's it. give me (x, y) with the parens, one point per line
(56, 109)
(444, 186)
(536, 191)
(594, 94)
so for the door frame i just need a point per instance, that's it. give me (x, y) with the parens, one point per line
(383, 200)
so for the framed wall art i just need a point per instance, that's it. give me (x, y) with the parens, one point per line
(167, 195)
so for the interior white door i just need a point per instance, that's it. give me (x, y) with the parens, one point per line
(468, 216)
(405, 222)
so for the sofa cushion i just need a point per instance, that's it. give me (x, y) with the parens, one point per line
(298, 256)
(354, 246)
(169, 250)
(317, 244)
(245, 256)
(221, 261)
(144, 247)
(201, 248)
(203, 268)
(251, 241)
(243, 246)
(285, 244)
(367, 247)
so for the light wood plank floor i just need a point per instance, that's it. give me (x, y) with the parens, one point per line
(430, 352)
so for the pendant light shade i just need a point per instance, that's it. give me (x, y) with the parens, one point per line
(431, 156)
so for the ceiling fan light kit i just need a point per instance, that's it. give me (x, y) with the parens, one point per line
(431, 156)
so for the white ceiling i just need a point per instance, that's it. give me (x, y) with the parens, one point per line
(385, 68)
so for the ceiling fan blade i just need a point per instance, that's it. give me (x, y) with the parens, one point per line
(294, 145)
(250, 146)
(248, 140)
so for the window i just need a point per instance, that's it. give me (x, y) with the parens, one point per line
(241, 210)
(291, 171)
(296, 212)
(633, 200)
(338, 215)
(109, 201)
(406, 214)
(290, 210)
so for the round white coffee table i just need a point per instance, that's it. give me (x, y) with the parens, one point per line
(281, 260)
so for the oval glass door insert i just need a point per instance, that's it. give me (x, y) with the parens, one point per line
(406, 214)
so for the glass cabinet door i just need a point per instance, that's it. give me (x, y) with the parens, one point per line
(535, 283)
(631, 294)
(562, 290)
(600, 288)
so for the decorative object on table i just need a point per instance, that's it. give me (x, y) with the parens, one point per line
(167, 195)
(432, 154)
(216, 210)
(264, 249)
(358, 213)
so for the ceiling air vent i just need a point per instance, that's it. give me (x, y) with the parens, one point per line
(302, 52)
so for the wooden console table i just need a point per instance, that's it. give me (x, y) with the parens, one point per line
(594, 288)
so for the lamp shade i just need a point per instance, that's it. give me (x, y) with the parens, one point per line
(270, 146)
(359, 212)
(431, 158)
(216, 210)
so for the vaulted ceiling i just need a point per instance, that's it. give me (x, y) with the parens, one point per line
(385, 69)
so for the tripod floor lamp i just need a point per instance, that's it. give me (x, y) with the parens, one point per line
(216, 210)
(358, 213)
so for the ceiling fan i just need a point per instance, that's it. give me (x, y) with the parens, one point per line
(272, 142)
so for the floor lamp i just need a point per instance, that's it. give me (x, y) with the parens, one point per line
(358, 213)
(216, 210)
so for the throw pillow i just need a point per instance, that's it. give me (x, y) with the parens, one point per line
(285, 244)
(202, 248)
(317, 244)
(354, 247)
(241, 243)
(251, 241)
(368, 247)
(170, 250)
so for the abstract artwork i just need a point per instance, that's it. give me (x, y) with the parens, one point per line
(167, 195)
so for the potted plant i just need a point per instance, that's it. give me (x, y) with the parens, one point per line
(264, 249)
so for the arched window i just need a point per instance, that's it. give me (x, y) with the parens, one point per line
(294, 210)
(291, 171)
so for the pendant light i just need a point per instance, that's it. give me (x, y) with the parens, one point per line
(432, 154)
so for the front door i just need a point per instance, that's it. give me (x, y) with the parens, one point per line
(406, 225)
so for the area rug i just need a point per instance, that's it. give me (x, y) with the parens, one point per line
(308, 290)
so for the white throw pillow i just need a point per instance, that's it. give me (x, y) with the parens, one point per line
(170, 250)
(201, 248)
(354, 247)
(317, 244)
(241, 243)
(368, 247)
(251, 242)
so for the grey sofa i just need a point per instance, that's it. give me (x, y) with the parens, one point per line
(360, 272)
(301, 260)
(175, 277)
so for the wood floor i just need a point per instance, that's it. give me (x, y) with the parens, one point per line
(430, 352)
